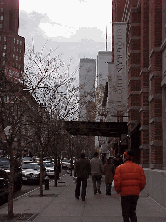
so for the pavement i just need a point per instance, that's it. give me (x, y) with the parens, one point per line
(60, 205)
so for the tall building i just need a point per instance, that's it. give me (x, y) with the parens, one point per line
(103, 58)
(146, 69)
(12, 45)
(87, 75)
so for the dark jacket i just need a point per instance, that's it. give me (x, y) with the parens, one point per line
(109, 170)
(82, 168)
(129, 179)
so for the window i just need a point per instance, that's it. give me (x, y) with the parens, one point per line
(1, 10)
(14, 48)
(4, 38)
(1, 17)
(13, 55)
(0, 26)
(3, 54)
(20, 42)
(14, 40)
(16, 57)
(4, 47)
(16, 65)
(20, 59)
(17, 41)
(3, 63)
(20, 50)
(0, 38)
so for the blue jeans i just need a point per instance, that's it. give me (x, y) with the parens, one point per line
(108, 188)
(96, 179)
(78, 185)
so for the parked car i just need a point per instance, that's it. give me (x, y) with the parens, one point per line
(64, 163)
(31, 172)
(69, 165)
(27, 160)
(3, 185)
(5, 165)
(49, 169)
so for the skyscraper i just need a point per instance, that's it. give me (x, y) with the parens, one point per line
(12, 46)
(87, 75)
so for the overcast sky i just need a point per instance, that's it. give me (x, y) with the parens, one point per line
(76, 27)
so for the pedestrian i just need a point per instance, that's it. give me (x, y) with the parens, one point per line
(96, 172)
(82, 170)
(109, 171)
(129, 180)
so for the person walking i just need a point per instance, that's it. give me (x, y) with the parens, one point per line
(82, 170)
(129, 181)
(96, 172)
(109, 171)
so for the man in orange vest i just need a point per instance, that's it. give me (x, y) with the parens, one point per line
(129, 180)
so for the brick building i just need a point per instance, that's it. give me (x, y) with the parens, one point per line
(146, 55)
(12, 46)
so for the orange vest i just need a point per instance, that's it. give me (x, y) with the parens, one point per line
(129, 179)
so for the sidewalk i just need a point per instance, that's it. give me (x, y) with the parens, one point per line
(59, 204)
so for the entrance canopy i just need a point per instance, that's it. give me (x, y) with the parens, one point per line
(106, 129)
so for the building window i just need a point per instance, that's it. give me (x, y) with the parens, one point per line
(17, 41)
(13, 55)
(16, 57)
(16, 65)
(3, 54)
(4, 47)
(20, 50)
(20, 42)
(1, 10)
(20, 59)
(1, 17)
(0, 38)
(14, 40)
(14, 48)
(3, 63)
(0, 26)
(4, 38)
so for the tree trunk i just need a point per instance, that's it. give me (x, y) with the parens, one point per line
(41, 174)
(55, 168)
(11, 186)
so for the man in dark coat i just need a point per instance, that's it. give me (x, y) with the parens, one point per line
(82, 170)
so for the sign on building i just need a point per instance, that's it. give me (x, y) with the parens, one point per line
(119, 77)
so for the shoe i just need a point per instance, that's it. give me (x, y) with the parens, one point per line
(83, 199)
(77, 197)
(99, 191)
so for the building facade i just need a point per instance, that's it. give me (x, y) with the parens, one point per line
(87, 111)
(12, 47)
(146, 67)
(87, 75)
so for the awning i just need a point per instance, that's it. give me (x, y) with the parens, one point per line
(106, 129)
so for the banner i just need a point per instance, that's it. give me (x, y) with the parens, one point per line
(120, 77)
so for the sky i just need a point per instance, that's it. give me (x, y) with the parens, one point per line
(77, 28)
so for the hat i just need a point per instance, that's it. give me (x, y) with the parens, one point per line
(129, 154)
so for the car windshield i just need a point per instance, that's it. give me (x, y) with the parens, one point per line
(65, 160)
(48, 164)
(31, 166)
(27, 158)
(4, 163)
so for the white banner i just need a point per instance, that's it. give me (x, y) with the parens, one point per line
(120, 78)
